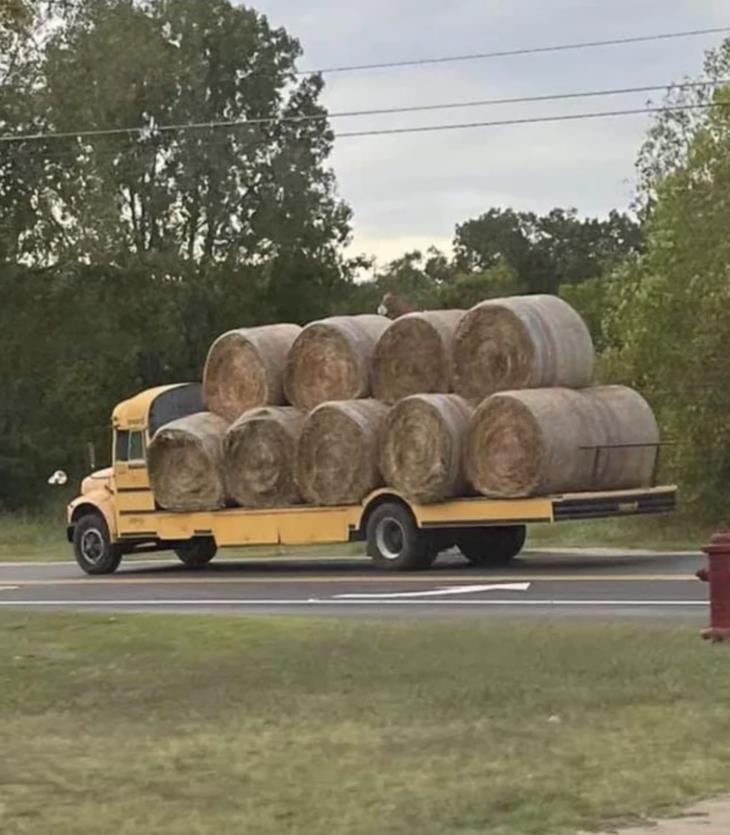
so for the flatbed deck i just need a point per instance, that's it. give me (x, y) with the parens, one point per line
(306, 525)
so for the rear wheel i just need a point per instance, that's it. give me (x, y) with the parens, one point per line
(492, 545)
(198, 552)
(94, 551)
(394, 541)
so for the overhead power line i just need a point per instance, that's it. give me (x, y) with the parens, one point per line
(532, 120)
(508, 53)
(234, 123)
(110, 153)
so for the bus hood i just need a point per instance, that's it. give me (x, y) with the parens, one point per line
(97, 480)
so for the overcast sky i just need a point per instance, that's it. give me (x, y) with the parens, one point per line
(409, 191)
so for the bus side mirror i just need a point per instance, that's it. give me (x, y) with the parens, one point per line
(91, 456)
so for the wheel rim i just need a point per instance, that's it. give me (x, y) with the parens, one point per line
(390, 538)
(92, 546)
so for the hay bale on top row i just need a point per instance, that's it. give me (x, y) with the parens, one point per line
(337, 455)
(498, 345)
(413, 355)
(331, 359)
(259, 456)
(518, 343)
(245, 367)
(185, 463)
(538, 442)
(421, 449)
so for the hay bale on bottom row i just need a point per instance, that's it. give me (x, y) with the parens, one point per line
(245, 367)
(330, 360)
(421, 449)
(543, 441)
(185, 463)
(259, 457)
(337, 455)
(413, 355)
(521, 342)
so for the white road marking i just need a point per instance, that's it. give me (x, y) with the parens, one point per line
(433, 592)
(8, 588)
(240, 601)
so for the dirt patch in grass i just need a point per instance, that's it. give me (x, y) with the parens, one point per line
(190, 725)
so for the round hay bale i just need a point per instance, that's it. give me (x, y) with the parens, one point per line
(631, 435)
(260, 451)
(543, 441)
(185, 463)
(521, 342)
(337, 455)
(413, 355)
(244, 369)
(421, 448)
(527, 443)
(330, 360)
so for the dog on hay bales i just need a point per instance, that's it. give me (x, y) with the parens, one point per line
(392, 305)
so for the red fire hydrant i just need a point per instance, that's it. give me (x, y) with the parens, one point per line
(717, 574)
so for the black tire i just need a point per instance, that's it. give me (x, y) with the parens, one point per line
(394, 541)
(198, 552)
(94, 551)
(493, 545)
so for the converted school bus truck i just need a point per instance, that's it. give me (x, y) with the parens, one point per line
(116, 512)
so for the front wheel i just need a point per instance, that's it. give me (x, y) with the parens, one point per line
(492, 545)
(394, 541)
(94, 551)
(198, 552)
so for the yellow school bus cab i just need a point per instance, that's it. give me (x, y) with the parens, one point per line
(116, 513)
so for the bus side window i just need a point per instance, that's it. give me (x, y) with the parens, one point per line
(121, 452)
(136, 447)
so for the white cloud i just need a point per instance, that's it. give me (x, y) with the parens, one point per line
(407, 191)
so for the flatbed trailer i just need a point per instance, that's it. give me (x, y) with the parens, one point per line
(116, 513)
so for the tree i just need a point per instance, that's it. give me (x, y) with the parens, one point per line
(545, 251)
(468, 289)
(415, 276)
(123, 254)
(668, 323)
(257, 190)
(671, 137)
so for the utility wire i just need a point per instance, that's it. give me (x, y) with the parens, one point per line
(508, 53)
(532, 120)
(111, 153)
(234, 123)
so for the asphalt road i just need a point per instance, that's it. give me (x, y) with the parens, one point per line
(605, 584)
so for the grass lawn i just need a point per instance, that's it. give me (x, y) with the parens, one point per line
(184, 725)
(674, 532)
(33, 536)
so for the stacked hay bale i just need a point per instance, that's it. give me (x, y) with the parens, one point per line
(436, 404)
(185, 463)
(259, 455)
(421, 449)
(331, 360)
(542, 441)
(521, 342)
(413, 356)
(337, 455)
(245, 367)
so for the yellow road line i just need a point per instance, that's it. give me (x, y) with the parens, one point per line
(421, 579)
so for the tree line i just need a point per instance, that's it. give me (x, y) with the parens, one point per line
(123, 254)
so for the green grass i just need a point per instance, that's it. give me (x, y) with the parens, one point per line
(675, 532)
(33, 536)
(184, 725)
